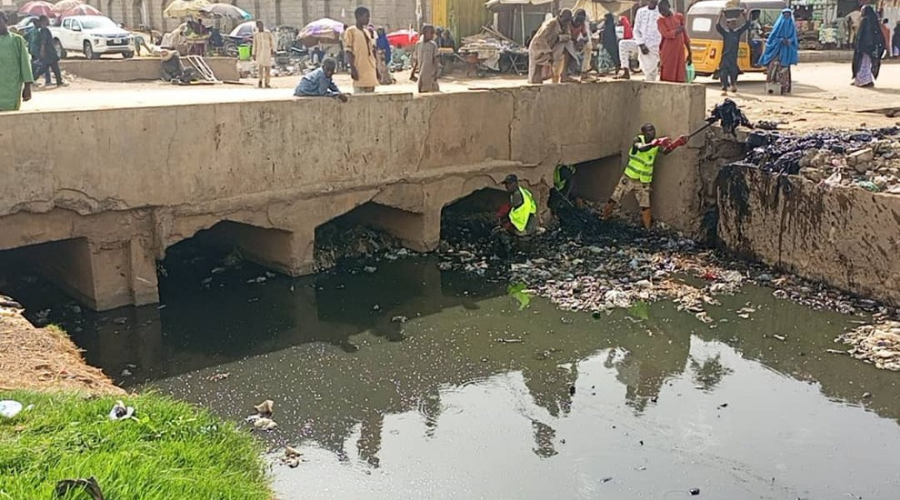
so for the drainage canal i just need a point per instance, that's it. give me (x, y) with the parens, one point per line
(408, 372)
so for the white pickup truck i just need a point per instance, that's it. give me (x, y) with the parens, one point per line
(93, 36)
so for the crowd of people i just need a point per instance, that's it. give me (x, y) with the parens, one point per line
(563, 46)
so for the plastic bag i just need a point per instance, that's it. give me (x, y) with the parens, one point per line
(691, 74)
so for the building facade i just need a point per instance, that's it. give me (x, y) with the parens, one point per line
(393, 14)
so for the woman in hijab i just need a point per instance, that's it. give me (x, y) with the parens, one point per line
(868, 49)
(781, 51)
(609, 45)
(383, 58)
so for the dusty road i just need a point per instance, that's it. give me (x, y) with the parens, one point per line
(822, 95)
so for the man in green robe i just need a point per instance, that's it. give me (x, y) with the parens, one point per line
(15, 69)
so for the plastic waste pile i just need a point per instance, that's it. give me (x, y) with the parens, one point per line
(592, 266)
(878, 344)
(336, 242)
(869, 159)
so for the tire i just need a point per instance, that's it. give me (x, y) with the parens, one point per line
(127, 55)
(230, 48)
(60, 51)
(89, 51)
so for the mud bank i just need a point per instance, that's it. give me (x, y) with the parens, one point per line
(843, 236)
(44, 359)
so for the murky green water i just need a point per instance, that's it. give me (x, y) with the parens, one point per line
(643, 406)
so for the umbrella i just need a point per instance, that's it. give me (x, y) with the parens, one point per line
(37, 9)
(65, 5)
(323, 30)
(184, 8)
(403, 38)
(81, 10)
(226, 10)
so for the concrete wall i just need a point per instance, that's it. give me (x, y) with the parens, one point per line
(292, 165)
(846, 237)
(130, 70)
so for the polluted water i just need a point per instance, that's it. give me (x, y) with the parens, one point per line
(409, 381)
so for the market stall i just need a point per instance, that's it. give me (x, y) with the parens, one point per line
(518, 19)
(492, 52)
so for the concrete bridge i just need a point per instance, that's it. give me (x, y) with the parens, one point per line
(97, 196)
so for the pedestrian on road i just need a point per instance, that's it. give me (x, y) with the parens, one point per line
(886, 32)
(868, 49)
(15, 68)
(853, 20)
(446, 41)
(360, 49)
(48, 55)
(896, 40)
(263, 50)
(427, 62)
(34, 46)
(383, 47)
(627, 31)
(675, 42)
(546, 57)
(580, 45)
(731, 41)
(638, 176)
(646, 43)
(319, 83)
(609, 41)
(781, 51)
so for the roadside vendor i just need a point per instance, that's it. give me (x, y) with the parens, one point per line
(519, 216)
(638, 175)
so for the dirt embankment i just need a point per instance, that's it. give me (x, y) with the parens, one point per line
(44, 359)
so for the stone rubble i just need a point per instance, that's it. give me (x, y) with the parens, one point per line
(869, 159)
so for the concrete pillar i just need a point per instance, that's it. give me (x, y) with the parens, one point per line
(288, 252)
(101, 275)
(419, 232)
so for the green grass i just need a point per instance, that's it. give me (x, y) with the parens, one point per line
(172, 451)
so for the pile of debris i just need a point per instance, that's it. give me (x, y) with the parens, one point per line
(878, 344)
(591, 269)
(592, 266)
(869, 159)
(336, 242)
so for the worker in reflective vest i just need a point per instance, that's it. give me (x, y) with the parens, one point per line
(563, 179)
(638, 175)
(522, 210)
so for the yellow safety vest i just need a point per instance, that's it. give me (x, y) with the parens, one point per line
(640, 164)
(519, 216)
(558, 182)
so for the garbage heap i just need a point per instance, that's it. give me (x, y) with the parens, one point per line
(588, 265)
(869, 159)
(878, 344)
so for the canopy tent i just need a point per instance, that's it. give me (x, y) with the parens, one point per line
(498, 5)
(597, 9)
(184, 8)
(324, 30)
(510, 16)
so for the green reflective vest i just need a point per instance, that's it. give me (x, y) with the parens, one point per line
(640, 164)
(558, 182)
(519, 216)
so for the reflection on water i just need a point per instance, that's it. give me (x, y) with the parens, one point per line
(412, 383)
